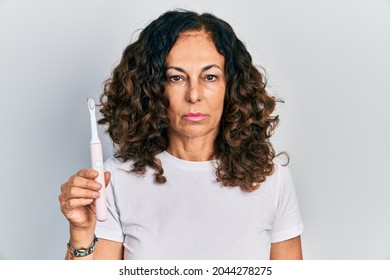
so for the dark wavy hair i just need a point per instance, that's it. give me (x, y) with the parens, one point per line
(135, 108)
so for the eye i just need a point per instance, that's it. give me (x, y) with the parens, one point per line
(175, 78)
(210, 78)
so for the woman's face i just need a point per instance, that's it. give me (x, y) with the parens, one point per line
(195, 86)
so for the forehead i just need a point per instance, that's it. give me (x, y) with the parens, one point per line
(195, 45)
(194, 35)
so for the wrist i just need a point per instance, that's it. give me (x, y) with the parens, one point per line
(81, 237)
(81, 252)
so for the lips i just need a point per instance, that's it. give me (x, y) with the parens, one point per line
(195, 117)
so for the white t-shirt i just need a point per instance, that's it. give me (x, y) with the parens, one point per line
(192, 216)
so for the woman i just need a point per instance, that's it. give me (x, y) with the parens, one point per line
(194, 175)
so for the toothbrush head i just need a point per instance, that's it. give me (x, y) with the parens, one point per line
(94, 133)
(91, 104)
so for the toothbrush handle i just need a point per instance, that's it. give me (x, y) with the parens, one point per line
(97, 164)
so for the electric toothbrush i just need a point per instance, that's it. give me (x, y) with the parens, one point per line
(97, 163)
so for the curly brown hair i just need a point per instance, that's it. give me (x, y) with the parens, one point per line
(135, 108)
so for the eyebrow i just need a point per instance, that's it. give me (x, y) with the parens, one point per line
(205, 68)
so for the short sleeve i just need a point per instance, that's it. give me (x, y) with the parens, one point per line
(288, 223)
(111, 228)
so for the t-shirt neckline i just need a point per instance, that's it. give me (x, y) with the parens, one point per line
(186, 164)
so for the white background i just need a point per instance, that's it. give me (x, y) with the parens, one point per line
(328, 60)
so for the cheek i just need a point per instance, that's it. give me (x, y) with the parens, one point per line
(218, 101)
(173, 110)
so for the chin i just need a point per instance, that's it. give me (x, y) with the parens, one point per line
(192, 132)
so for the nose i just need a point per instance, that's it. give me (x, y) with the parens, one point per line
(194, 93)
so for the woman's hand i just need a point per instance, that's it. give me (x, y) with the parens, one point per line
(77, 199)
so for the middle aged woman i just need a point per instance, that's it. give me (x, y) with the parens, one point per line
(194, 175)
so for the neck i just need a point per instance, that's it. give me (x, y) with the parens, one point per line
(191, 149)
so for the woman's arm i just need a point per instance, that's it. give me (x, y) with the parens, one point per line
(76, 199)
(108, 250)
(287, 250)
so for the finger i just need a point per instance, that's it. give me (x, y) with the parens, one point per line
(76, 203)
(88, 173)
(107, 177)
(84, 183)
(75, 192)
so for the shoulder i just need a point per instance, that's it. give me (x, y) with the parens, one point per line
(114, 163)
(111, 163)
(281, 180)
(122, 174)
(281, 170)
(117, 166)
